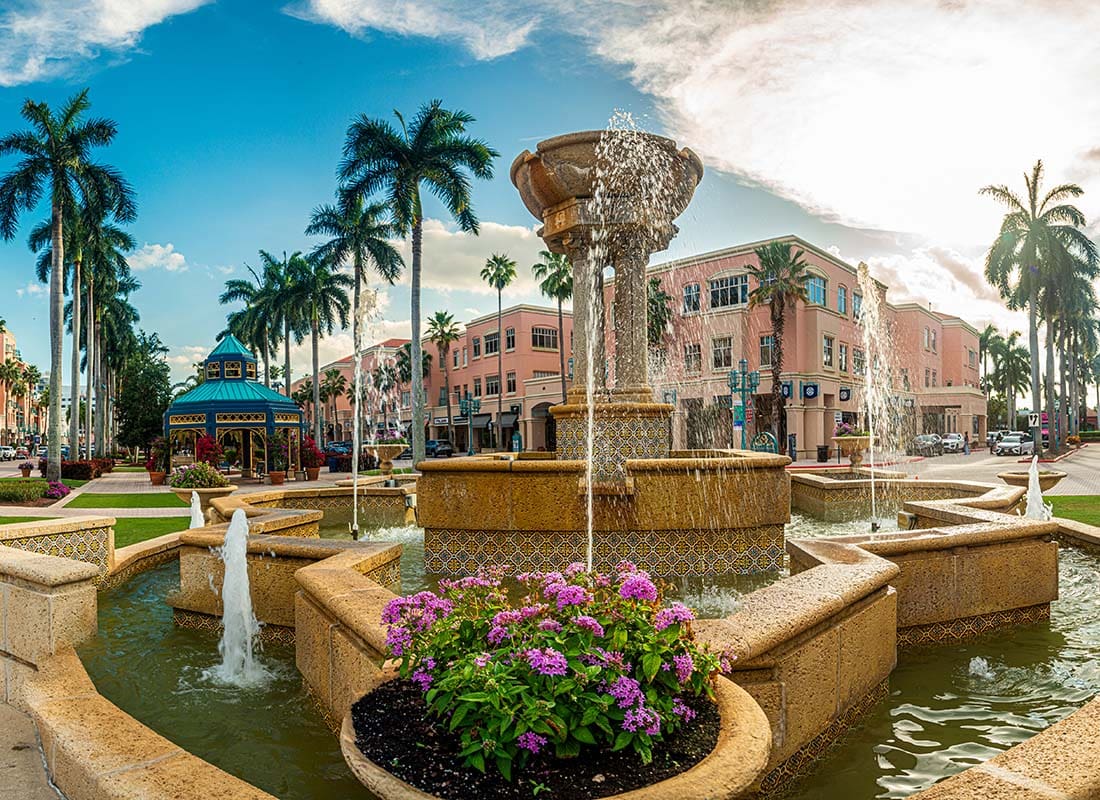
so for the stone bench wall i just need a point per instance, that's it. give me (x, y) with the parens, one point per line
(90, 539)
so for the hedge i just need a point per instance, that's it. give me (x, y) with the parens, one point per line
(22, 491)
(80, 470)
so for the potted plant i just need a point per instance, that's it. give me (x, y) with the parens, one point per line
(26, 468)
(852, 442)
(386, 450)
(584, 663)
(201, 478)
(157, 463)
(312, 458)
(278, 454)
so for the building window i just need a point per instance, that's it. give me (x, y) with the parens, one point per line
(213, 370)
(477, 387)
(458, 393)
(691, 298)
(972, 358)
(693, 358)
(767, 349)
(250, 370)
(511, 383)
(544, 338)
(492, 343)
(842, 300)
(722, 352)
(477, 347)
(456, 357)
(544, 374)
(815, 290)
(934, 382)
(905, 378)
(232, 369)
(858, 364)
(927, 377)
(406, 399)
(827, 350)
(729, 291)
(492, 384)
(857, 304)
(842, 357)
(933, 341)
(926, 338)
(442, 395)
(465, 360)
(509, 338)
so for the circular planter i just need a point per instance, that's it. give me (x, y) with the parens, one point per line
(278, 477)
(738, 759)
(386, 453)
(26, 472)
(156, 478)
(205, 495)
(853, 447)
(1048, 479)
(312, 473)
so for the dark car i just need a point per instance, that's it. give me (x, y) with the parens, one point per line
(927, 444)
(429, 447)
(443, 449)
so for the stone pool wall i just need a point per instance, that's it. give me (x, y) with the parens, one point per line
(380, 506)
(831, 500)
(90, 539)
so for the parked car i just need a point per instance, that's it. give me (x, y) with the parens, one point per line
(1015, 444)
(43, 451)
(429, 447)
(22, 452)
(953, 443)
(336, 449)
(7, 452)
(406, 454)
(993, 437)
(443, 449)
(926, 444)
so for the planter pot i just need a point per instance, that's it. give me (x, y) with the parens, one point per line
(277, 477)
(1048, 479)
(853, 447)
(737, 761)
(26, 473)
(312, 473)
(156, 478)
(205, 495)
(386, 453)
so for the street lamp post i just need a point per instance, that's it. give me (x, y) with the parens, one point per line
(743, 383)
(469, 406)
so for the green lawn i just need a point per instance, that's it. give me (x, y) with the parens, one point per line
(122, 500)
(11, 520)
(72, 483)
(1081, 507)
(129, 530)
(129, 469)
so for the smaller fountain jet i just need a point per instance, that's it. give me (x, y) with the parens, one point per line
(239, 625)
(1036, 508)
(197, 519)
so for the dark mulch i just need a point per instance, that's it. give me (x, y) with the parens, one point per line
(392, 729)
(40, 502)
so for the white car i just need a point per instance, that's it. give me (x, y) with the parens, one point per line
(953, 443)
(1014, 445)
(7, 452)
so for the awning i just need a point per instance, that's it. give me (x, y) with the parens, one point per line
(482, 420)
(508, 419)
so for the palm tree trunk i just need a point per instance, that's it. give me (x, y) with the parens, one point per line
(416, 359)
(286, 358)
(315, 334)
(779, 405)
(1033, 345)
(89, 359)
(1051, 438)
(57, 303)
(74, 394)
(500, 371)
(447, 390)
(561, 349)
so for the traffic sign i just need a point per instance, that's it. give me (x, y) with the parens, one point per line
(1033, 420)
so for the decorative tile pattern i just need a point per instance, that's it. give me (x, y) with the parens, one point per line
(276, 634)
(803, 758)
(969, 627)
(187, 419)
(665, 552)
(88, 545)
(306, 530)
(140, 565)
(330, 722)
(618, 437)
(388, 575)
(241, 417)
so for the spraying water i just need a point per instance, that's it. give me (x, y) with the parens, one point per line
(239, 625)
(1036, 508)
(197, 519)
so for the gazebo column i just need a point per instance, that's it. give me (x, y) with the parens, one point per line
(246, 453)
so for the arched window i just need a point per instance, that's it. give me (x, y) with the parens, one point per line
(815, 290)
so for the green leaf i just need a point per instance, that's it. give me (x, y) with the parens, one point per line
(459, 715)
(504, 764)
(570, 748)
(477, 760)
(622, 740)
(590, 715)
(473, 697)
(584, 735)
(651, 665)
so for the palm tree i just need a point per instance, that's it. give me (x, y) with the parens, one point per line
(781, 282)
(658, 312)
(333, 388)
(443, 332)
(1011, 366)
(985, 341)
(56, 157)
(402, 363)
(322, 295)
(280, 297)
(555, 276)
(433, 151)
(251, 324)
(498, 272)
(303, 396)
(1035, 237)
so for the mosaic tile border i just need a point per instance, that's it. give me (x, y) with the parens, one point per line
(275, 634)
(664, 552)
(388, 575)
(969, 627)
(804, 758)
(306, 530)
(620, 435)
(143, 564)
(89, 545)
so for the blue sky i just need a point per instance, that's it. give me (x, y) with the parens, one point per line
(231, 116)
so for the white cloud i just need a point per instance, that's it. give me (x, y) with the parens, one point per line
(41, 39)
(32, 289)
(158, 256)
(226, 270)
(487, 29)
(181, 359)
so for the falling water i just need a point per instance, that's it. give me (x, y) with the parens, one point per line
(1036, 508)
(239, 625)
(197, 519)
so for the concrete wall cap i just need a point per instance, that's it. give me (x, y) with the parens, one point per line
(42, 569)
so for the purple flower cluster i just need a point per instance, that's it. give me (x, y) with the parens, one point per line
(547, 661)
(531, 742)
(55, 490)
(550, 626)
(684, 665)
(420, 611)
(589, 624)
(638, 587)
(422, 679)
(673, 615)
(627, 692)
(642, 718)
(683, 711)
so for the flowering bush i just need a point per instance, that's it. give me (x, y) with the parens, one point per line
(847, 429)
(312, 457)
(160, 454)
(26, 465)
(55, 490)
(585, 660)
(278, 452)
(1073, 441)
(199, 475)
(208, 449)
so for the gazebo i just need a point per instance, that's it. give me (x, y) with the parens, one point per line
(232, 407)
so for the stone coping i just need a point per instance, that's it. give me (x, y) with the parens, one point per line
(964, 535)
(679, 461)
(132, 553)
(738, 758)
(47, 527)
(339, 586)
(368, 555)
(44, 570)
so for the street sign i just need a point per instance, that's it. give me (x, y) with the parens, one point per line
(1033, 420)
(838, 418)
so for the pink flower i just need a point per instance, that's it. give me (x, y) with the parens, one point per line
(530, 741)
(569, 595)
(638, 587)
(547, 661)
(588, 623)
(684, 665)
(673, 615)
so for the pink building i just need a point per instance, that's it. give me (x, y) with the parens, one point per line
(19, 413)
(936, 383)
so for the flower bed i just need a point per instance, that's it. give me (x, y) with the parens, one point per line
(586, 665)
(199, 475)
(31, 492)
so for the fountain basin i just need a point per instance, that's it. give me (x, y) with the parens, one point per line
(205, 495)
(744, 741)
(1048, 478)
(852, 447)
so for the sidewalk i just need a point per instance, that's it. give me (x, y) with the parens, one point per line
(22, 771)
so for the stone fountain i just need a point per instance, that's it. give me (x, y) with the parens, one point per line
(613, 489)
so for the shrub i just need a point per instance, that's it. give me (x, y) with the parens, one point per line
(27, 465)
(278, 452)
(1074, 441)
(76, 470)
(847, 429)
(199, 475)
(104, 465)
(585, 660)
(209, 449)
(55, 490)
(311, 455)
(160, 455)
(22, 491)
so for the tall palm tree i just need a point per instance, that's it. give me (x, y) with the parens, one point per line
(1011, 367)
(433, 151)
(323, 297)
(555, 276)
(402, 363)
(443, 332)
(56, 157)
(498, 272)
(781, 282)
(252, 324)
(1037, 235)
(333, 387)
(985, 340)
(281, 302)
